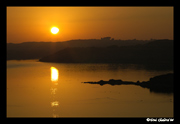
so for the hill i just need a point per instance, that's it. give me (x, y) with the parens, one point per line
(36, 50)
(153, 53)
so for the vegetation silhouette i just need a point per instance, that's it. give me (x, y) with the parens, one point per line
(157, 84)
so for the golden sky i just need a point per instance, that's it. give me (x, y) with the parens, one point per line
(142, 23)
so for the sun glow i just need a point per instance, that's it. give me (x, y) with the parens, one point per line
(54, 30)
(54, 74)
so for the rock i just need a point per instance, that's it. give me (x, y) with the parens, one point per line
(158, 84)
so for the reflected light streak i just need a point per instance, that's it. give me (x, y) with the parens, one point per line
(54, 78)
(53, 90)
(55, 103)
(54, 74)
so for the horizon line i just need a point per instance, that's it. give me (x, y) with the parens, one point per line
(112, 39)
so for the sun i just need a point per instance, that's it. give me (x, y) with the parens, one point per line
(54, 30)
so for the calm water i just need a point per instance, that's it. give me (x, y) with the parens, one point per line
(31, 93)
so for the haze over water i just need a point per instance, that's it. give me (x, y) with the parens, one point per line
(32, 93)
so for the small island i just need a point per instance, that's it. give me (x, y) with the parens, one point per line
(158, 84)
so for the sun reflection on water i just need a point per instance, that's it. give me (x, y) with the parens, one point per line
(55, 103)
(54, 74)
(54, 79)
(53, 90)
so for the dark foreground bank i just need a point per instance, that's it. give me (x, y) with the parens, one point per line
(158, 84)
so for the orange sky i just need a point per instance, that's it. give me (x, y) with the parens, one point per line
(34, 23)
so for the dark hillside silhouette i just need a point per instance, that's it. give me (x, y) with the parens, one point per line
(156, 53)
(31, 50)
(36, 50)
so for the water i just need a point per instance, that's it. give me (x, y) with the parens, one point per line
(31, 93)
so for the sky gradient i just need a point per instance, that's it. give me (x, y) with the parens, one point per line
(34, 23)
